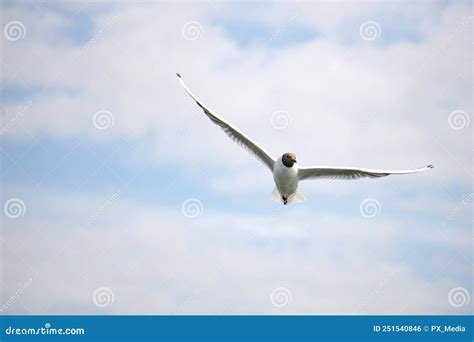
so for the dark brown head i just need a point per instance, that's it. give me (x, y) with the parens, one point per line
(288, 159)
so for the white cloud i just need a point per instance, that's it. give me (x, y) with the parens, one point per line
(355, 104)
(350, 102)
(156, 260)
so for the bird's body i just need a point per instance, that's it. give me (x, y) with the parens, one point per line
(286, 180)
(285, 170)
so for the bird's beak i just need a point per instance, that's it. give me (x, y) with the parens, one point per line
(295, 160)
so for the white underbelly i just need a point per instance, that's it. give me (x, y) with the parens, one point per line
(286, 181)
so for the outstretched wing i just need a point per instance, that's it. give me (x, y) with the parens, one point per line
(234, 133)
(350, 173)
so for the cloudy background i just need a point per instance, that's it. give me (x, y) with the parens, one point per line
(120, 197)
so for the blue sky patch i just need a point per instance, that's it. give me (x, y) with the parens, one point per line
(247, 33)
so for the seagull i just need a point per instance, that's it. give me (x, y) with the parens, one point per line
(286, 172)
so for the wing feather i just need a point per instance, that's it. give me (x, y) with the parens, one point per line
(234, 133)
(350, 172)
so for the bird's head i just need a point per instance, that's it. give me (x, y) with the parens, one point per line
(288, 159)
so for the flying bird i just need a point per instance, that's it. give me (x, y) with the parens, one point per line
(286, 171)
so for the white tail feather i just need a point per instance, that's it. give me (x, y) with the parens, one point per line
(276, 196)
(297, 197)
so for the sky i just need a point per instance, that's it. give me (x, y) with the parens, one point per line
(120, 197)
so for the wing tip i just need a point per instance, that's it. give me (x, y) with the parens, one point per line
(431, 166)
(177, 74)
